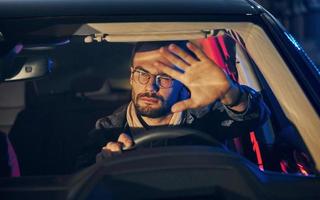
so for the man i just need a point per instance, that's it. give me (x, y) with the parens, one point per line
(176, 84)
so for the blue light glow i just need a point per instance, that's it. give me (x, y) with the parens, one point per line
(293, 40)
(298, 46)
(50, 65)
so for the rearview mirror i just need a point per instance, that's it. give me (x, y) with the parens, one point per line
(24, 68)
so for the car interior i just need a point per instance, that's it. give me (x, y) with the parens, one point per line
(48, 118)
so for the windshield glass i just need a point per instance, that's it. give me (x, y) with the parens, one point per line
(113, 82)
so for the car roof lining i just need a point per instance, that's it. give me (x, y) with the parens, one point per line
(137, 28)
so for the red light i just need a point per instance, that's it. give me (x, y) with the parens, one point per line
(256, 149)
(284, 166)
(302, 169)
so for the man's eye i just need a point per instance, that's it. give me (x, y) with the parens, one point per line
(144, 74)
(165, 82)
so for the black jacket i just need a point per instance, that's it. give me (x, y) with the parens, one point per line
(217, 120)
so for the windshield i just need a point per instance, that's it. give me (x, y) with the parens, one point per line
(112, 82)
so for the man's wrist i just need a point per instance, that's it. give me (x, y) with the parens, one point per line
(236, 98)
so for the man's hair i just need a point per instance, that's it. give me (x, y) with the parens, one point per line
(149, 46)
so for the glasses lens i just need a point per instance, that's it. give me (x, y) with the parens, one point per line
(165, 82)
(141, 77)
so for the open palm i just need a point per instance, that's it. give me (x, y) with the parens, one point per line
(204, 79)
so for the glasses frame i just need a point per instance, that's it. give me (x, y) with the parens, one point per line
(155, 77)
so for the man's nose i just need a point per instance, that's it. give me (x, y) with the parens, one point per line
(152, 85)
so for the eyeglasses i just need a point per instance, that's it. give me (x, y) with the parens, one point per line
(144, 77)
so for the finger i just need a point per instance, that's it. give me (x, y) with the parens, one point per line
(113, 147)
(182, 54)
(196, 51)
(181, 106)
(170, 71)
(173, 59)
(125, 140)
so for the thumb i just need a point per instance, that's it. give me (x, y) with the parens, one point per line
(181, 106)
(125, 140)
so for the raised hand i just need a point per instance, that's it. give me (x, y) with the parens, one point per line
(205, 80)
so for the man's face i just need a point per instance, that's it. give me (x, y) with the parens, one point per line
(150, 99)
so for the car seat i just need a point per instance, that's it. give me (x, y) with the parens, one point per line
(49, 133)
(221, 48)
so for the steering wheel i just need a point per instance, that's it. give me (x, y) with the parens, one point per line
(171, 133)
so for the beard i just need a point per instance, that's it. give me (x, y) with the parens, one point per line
(148, 110)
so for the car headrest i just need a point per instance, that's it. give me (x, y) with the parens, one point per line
(87, 83)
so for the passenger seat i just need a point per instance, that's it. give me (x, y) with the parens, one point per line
(49, 133)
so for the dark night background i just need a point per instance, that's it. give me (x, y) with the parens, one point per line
(302, 19)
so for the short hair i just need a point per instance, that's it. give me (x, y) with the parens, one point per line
(153, 45)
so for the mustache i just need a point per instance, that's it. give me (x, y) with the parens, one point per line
(150, 95)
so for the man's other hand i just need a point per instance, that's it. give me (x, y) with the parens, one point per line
(124, 142)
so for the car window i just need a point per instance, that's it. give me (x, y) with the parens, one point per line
(91, 79)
